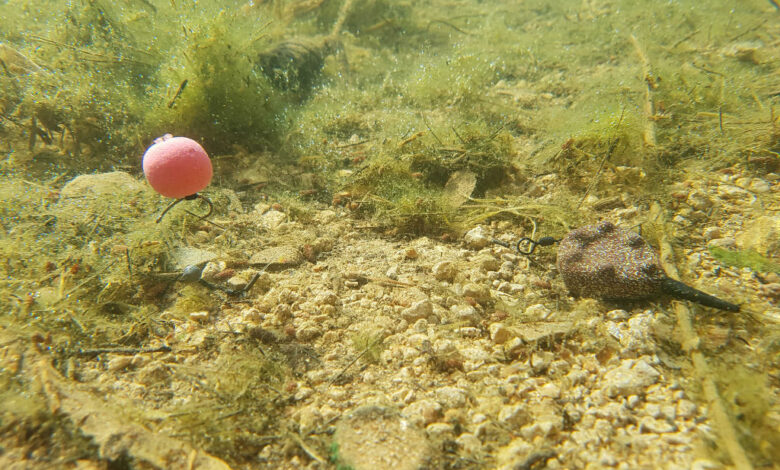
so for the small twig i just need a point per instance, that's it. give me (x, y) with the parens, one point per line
(352, 144)
(458, 135)
(357, 358)
(126, 351)
(425, 120)
(705, 69)
(178, 93)
(309, 451)
(445, 23)
(749, 30)
(651, 82)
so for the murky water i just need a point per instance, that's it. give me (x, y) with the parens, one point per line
(348, 261)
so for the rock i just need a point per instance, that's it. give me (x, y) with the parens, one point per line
(537, 311)
(451, 397)
(116, 185)
(540, 331)
(727, 191)
(477, 238)
(540, 361)
(478, 292)
(757, 185)
(272, 219)
(634, 334)
(212, 269)
(686, 409)
(658, 426)
(277, 258)
(423, 412)
(515, 454)
(444, 271)
(119, 363)
(550, 390)
(699, 201)
(187, 256)
(617, 315)
(392, 272)
(499, 333)
(154, 374)
(727, 243)
(762, 235)
(464, 312)
(308, 331)
(439, 430)
(630, 378)
(374, 437)
(487, 262)
(418, 310)
(200, 317)
(470, 443)
(711, 233)
(241, 279)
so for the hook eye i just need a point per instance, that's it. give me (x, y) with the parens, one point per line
(525, 241)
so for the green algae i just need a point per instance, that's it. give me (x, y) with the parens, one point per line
(745, 259)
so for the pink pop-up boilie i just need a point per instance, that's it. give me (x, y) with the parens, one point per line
(177, 167)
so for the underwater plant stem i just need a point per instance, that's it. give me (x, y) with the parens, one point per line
(604, 160)
(650, 81)
(689, 341)
(343, 12)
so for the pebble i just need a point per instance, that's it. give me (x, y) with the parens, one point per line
(200, 317)
(272, 219)
(486, 262)
(499, 333)
(277, 257)
(374, 437)
(423, 412)
(630, 378)
(465, 312)
(550, 390)
(758, 185)
(392, 272)
(478, 292)
(711, 233)
(541, 360)
(705, 464)
(727, 191)
(119, 363)
(538, 311)
(477, 238)
(726, 242)
(470, 443)
(439, 430)
(451, 397)
(699, 201)
(308, 331)
(514, 454)
(444, 271)
(211, 270)
(658, 426)
(617, 315)
(686, 409)
(419, 310)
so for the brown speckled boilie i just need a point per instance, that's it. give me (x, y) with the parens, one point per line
(609, 262)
